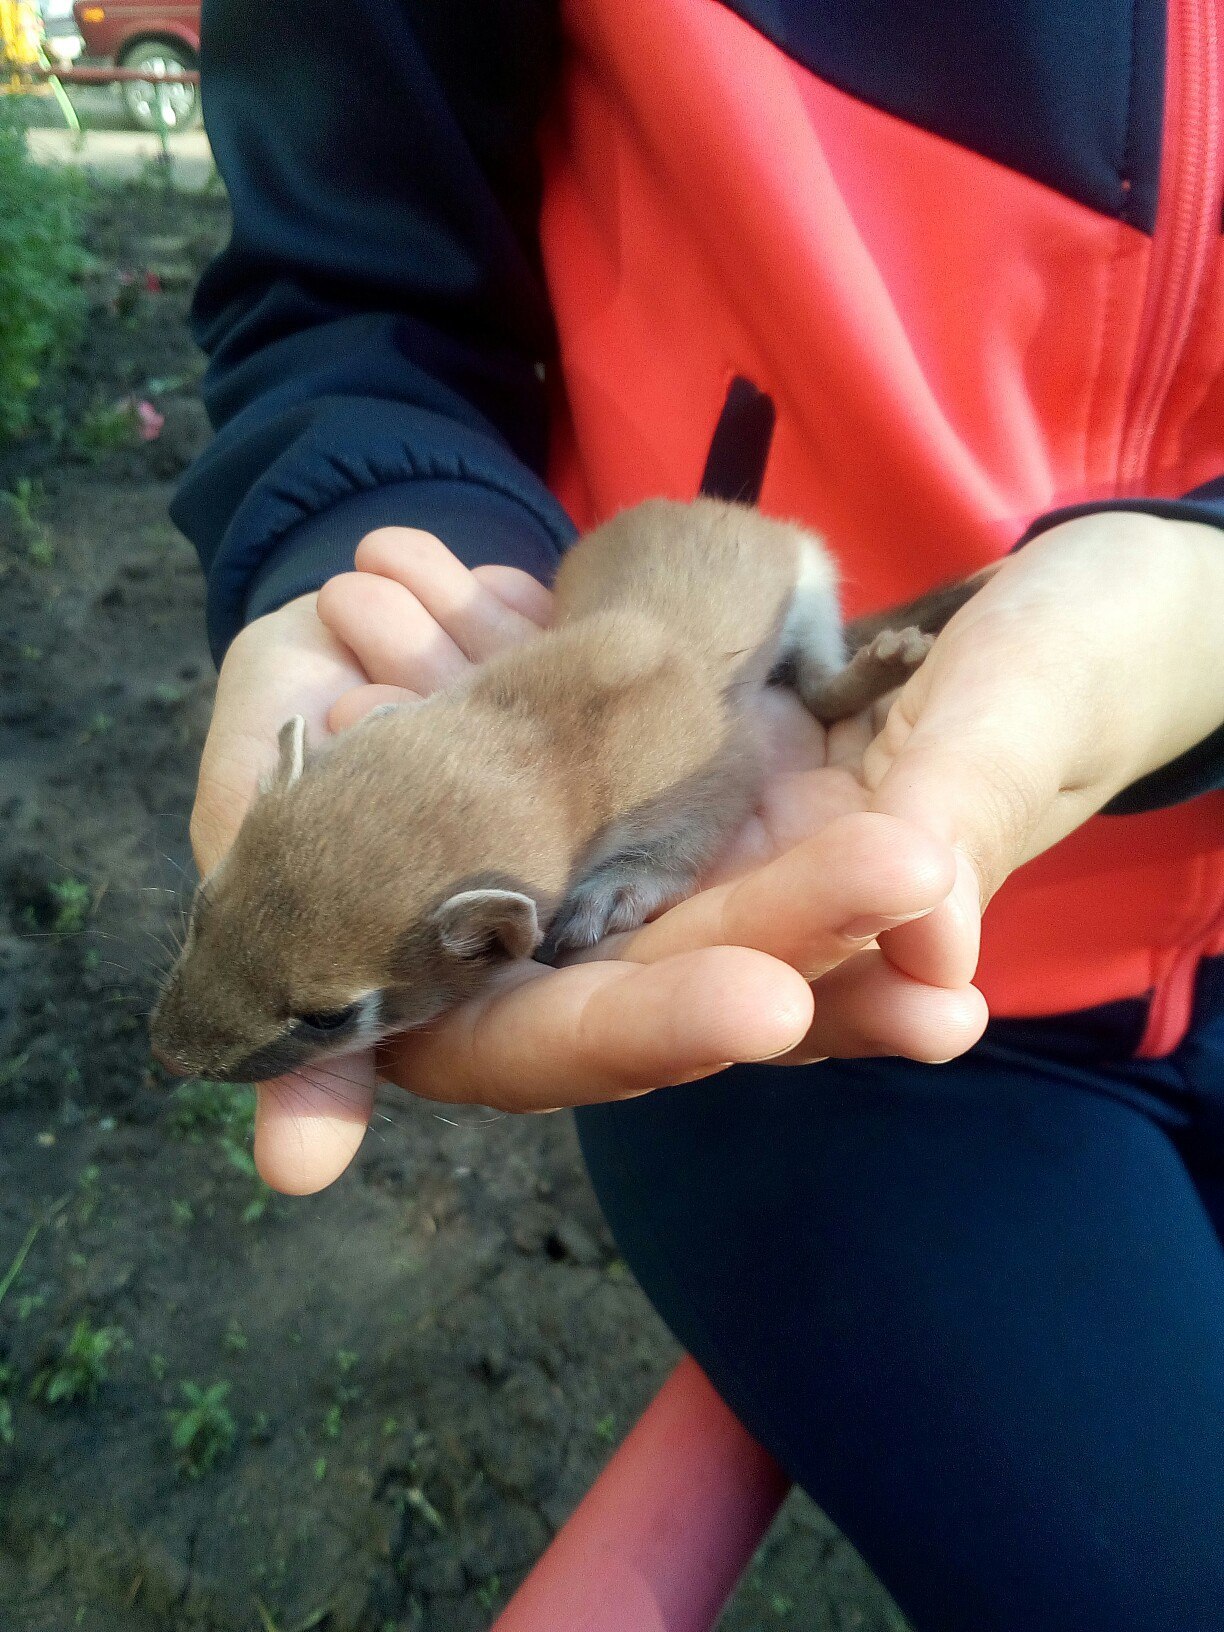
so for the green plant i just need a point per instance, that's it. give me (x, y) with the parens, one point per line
(41, 262)
(104, 427)
(8, 1376)
(72, 903)
(202, 1108)
(204, 1430)
(82, 1367)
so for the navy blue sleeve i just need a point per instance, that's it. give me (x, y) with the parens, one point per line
(377, 329)
(1201, 769)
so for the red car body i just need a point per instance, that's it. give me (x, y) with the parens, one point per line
(110, 28)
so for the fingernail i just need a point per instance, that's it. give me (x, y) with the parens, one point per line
(868, 927)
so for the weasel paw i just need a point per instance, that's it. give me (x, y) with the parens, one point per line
(902, 649)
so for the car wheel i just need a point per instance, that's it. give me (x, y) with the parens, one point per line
(154, 107)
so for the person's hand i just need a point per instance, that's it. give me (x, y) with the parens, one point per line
(287, 663)
(744, 978)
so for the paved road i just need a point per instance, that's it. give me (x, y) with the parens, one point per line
(110, 148)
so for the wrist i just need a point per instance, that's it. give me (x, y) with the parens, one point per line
(1147, 594)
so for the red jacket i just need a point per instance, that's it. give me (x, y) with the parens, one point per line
(971, 253)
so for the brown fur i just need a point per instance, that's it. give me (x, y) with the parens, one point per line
(573, 785)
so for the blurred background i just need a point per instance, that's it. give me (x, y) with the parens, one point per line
(220, 1408)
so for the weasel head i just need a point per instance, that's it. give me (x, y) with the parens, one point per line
(338, 916)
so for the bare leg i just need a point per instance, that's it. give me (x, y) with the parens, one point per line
(875, 669)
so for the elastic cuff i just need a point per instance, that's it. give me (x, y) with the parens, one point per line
(481, 526)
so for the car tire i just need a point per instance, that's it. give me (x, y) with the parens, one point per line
(179, 104)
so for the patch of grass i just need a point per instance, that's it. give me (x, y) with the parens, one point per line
(204, 1430)
(83, 1366)
(72, 903)
(42, 306)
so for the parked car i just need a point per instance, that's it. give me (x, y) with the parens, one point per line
(157, 35)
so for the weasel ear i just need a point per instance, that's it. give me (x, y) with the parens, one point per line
(488, 923)
(291, 741)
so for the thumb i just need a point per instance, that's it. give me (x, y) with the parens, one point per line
(979, 768)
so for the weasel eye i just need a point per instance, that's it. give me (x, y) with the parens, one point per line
(327, 1020)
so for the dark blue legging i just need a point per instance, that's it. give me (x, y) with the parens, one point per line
(977, 1309)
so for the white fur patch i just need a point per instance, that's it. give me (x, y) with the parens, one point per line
(813, 626)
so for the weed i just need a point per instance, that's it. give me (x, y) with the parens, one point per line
(605, 1429)
(99, 725)
(204, 1430)
(89, 1186)
(11, 1069)
(235, 1339)
(488, 1594)
(8, 1376)
(82, 1367)
(41, 552)
(104, 428)
(416, 1498)
(72, 903)
(183, 1213)
(41, 261)
(227, 1113)
(333, 1422)
(19, 500)
(158, 1366)
(320, 1469)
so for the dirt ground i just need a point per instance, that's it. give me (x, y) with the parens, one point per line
(421, 1369)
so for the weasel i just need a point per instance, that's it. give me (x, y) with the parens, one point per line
(563, 790)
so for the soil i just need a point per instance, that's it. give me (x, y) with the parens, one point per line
(417, 1361)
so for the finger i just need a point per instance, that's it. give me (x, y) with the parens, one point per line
(356, 704)
(518, 590)
(942, 948)
(309, 1125)
(816, 904)
(602, 1031)
(282, 664)
(396, 639)
(476, 619)
(866, 1008)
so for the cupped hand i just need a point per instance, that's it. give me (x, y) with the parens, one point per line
(845, 918)
(776, 954)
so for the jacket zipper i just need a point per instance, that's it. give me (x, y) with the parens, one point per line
(1185, 236)
(1187, 224)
